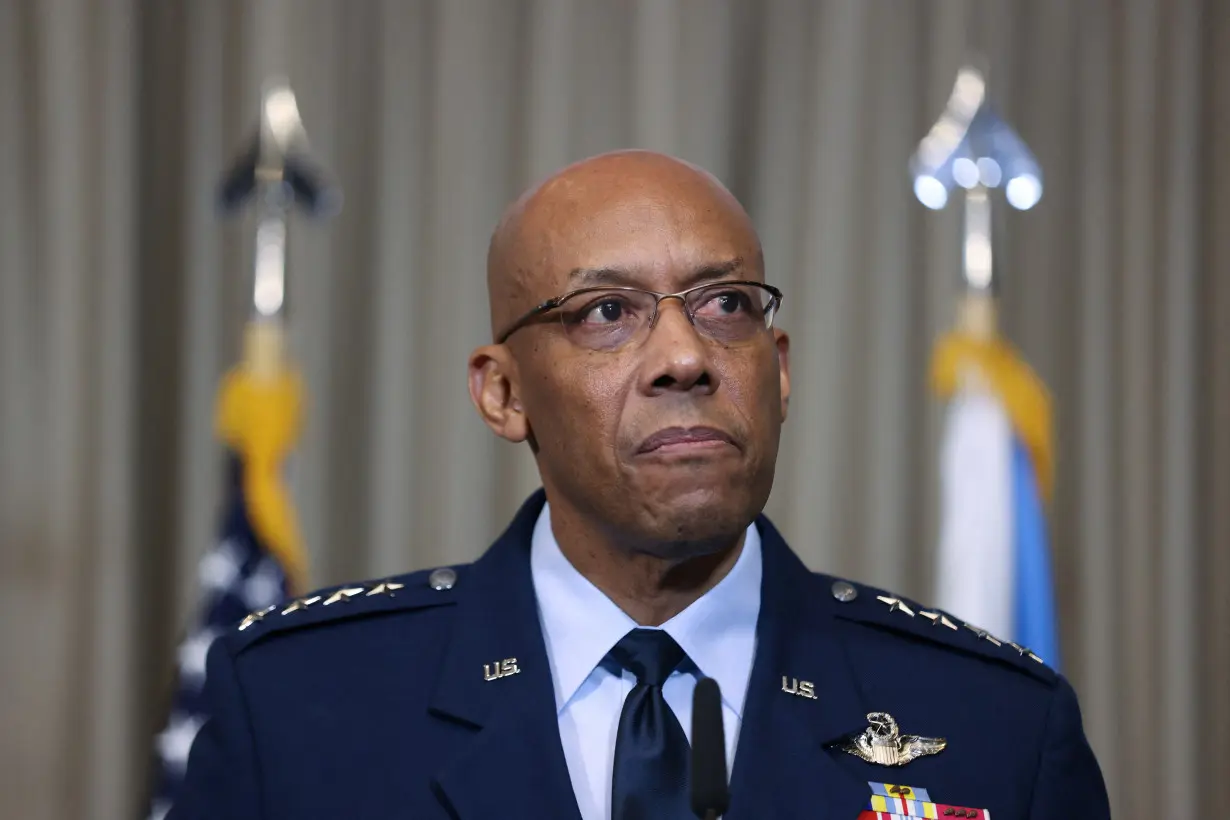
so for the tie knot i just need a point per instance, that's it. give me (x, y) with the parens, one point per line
(650, 654)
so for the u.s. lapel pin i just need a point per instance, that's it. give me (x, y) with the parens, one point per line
(500, 669)
(802, 688)
(883, 744)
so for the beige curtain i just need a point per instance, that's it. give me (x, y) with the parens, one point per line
(122, 294)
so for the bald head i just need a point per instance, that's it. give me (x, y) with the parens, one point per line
(654, 423)
(569, 221)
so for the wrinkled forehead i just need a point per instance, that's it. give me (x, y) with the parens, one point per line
(654, 231)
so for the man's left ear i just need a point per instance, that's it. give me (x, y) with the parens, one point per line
(782, 340)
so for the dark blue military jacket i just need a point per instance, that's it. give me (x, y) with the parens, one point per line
(384, 703)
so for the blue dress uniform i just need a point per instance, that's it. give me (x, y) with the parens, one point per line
(429, 695)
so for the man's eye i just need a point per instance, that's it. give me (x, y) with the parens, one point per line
(607, 311)
(725, 303)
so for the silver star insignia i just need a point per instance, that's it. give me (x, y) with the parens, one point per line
(255, 617)
(937, 618)
(883, 744)
(981, 634)
(1024, 651)
(343, 595)
(300, 604)
(895, 604)
(385, 588)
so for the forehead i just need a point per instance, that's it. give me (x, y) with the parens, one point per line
(656, 227)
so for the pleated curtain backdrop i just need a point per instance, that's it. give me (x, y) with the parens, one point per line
(122, 296)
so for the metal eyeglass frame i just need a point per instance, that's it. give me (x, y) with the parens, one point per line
(775, 302)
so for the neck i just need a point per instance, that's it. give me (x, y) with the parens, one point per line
(652, 582)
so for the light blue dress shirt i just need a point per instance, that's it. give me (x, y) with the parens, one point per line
(580, 625)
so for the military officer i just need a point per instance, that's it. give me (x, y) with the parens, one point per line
(635, 352)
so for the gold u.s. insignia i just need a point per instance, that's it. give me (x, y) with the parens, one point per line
(883, 744)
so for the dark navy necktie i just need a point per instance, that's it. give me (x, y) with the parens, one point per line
(650, 775)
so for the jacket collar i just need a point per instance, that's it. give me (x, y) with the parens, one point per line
(781, 761)
(515, 765)
(782, 767)
(580, 623)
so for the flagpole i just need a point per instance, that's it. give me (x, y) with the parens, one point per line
(260, 401)
(259, 559)
(279, 121)
(976, 309)
(996, 456)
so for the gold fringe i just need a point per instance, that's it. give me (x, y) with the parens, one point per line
(1025, 398)
(259, 418)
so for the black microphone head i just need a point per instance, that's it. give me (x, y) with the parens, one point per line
(710, 791)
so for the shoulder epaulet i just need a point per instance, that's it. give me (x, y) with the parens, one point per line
(416, 590)
(865, 604)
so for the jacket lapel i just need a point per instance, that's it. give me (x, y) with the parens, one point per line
(782, 768)
(513, 764)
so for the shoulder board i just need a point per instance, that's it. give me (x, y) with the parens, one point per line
(416, 590)
(858, 602)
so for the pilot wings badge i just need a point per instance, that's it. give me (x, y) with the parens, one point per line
(883, 744)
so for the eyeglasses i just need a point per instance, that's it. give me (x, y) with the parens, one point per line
(605, 318)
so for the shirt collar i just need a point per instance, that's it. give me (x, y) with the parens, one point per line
(580, 624)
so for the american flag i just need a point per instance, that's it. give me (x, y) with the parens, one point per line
(237, 576)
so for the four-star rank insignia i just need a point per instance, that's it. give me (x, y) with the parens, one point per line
(440, 580)
(883, 744)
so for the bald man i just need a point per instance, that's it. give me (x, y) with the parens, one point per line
(634, 352)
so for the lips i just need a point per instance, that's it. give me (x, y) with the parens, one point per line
(684, 438)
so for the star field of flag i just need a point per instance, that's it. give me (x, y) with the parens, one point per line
(236, 576)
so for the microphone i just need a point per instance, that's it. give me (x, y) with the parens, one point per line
(710, 792)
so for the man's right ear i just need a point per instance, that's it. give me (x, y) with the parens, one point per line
(494, 391)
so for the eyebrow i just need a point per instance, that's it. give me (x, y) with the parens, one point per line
(591, 277)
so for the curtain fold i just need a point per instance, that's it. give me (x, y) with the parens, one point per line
(123, 292)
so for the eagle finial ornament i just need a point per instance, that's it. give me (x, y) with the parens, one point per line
(883, 744)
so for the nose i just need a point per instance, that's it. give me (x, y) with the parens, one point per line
(677, 359)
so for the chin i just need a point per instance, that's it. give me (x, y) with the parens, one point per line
(698, 520)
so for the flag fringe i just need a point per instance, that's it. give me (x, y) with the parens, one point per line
(1022, 393)
(260, 420)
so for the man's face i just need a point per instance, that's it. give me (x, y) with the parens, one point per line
(671, 438)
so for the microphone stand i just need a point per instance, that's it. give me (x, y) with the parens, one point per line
(709, 786)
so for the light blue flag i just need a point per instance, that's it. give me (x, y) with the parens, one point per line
(1036, 622)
